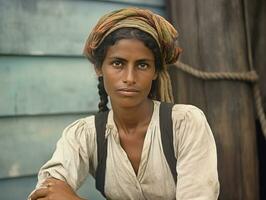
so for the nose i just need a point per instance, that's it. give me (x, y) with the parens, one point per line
(129, 76)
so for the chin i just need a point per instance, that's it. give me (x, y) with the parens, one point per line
(128, 102)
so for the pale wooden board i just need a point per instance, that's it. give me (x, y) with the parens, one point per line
(37, 27)
(46, 85)
(28, 142)
(43, 87)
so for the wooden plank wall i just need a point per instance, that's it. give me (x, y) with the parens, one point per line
(213, 36)
(45, 82)
(256, 15)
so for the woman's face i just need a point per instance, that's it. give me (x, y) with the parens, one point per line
(128, 71)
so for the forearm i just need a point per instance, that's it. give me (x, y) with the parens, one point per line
(55, 189)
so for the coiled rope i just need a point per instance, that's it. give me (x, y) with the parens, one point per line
(249, 76)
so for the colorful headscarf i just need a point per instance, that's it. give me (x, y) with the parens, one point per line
(155, 25)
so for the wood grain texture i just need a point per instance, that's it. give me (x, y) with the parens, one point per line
(43, 92)
(256, 14)
(213, 38)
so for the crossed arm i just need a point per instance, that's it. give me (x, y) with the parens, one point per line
(54, 189)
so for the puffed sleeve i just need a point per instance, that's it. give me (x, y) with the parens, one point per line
(196, 155)
(74, 151)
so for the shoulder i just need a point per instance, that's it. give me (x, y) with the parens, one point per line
(83, 127)
(191, 126)
(189, 120)
(187, 112)
(182, 112)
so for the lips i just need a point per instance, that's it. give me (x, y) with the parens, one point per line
(128, 91)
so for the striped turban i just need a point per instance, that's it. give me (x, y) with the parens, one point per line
(159, 28)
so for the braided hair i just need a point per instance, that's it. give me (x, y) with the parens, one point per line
(111, 39)
(103, 95)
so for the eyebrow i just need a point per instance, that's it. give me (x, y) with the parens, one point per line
(139, 60)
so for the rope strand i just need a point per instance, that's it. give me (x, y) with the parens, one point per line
(250, 76)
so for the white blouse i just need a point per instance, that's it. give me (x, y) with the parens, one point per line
(76, 156)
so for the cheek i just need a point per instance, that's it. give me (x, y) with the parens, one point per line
(148, 83)
(109, 81)
(154, 81)
(106, 84)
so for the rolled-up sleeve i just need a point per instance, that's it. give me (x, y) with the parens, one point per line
(196, 156)
(71, 160)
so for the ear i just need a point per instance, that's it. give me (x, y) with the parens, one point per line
(98, 71)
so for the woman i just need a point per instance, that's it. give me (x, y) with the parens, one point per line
(130, 49)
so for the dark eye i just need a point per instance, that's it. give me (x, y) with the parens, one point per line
(117, 64)
(143, 66)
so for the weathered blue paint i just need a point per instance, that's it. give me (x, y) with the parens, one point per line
(46, 85)
(41, 95)
(37, 27)
(28, 142)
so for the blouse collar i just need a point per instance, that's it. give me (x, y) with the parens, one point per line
(111, 127)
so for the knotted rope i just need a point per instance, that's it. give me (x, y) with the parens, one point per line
(249, 76)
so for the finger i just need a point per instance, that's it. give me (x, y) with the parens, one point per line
(39, 193)
(50, 180)
(39, 199)
(47, 185)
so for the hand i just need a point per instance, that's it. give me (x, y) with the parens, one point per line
(54, 189)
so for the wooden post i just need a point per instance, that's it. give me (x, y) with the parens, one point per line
(256, 15)
(213, 37)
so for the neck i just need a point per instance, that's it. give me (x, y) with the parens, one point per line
(129, 119)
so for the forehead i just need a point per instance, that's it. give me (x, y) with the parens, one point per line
(130, 48)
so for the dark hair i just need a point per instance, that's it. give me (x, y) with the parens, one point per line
(111, 39)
